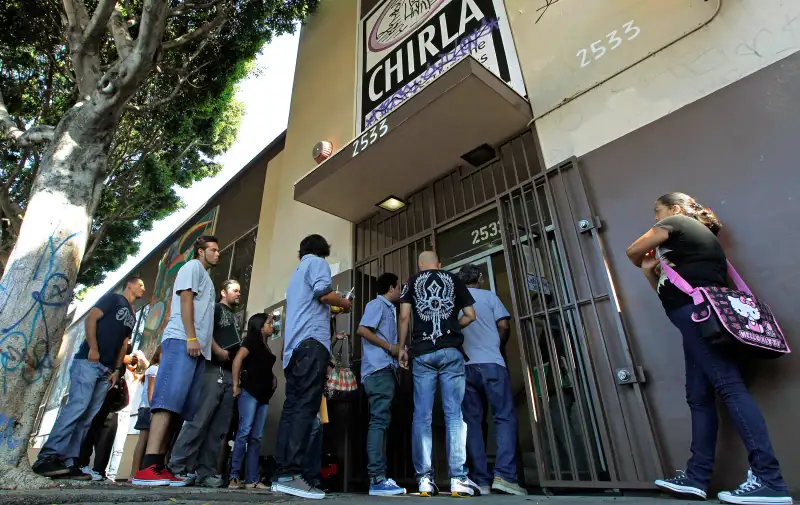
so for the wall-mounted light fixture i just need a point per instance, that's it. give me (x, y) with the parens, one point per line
(392, 204)
(322, 151)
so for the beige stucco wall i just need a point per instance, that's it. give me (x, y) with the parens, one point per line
(261, 287)
(745, 36)
(322, 108)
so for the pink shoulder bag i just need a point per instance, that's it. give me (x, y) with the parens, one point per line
(733, 317)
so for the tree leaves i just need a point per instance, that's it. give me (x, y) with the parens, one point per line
(182, 117)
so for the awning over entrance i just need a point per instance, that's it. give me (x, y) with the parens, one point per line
(421, 140)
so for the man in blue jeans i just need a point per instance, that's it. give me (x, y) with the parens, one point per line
(185, 346)
(488, 382)
(378, 332)
(306, 353)
(108, 328)
(435, 297)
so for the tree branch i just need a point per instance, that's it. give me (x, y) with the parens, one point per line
(187, 7)
(151, 31)
(31, 137)
(203, 31)
(97, 24)
(158, 103)
(119, 30)
(94, 241)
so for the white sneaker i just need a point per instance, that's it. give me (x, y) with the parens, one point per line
(427, 488)
(87, 470)
(463, 487)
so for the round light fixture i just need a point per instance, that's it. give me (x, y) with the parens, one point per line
(322, 151)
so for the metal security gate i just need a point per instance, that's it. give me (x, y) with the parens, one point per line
(583, 419)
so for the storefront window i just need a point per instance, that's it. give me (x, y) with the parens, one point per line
(236, 262)
(242, 265)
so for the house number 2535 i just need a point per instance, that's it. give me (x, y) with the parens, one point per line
(614, 39)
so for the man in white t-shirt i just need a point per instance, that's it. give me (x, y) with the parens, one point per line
(185, 345)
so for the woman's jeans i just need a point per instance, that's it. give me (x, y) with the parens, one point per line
(710, 369)
(252, 416)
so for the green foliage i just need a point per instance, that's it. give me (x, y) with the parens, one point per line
(180, 119)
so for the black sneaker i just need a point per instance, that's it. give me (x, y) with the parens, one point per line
(50, 467)
(683, 486)
(753, 491)
(75, 473)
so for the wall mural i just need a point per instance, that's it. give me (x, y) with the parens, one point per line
(178, 253)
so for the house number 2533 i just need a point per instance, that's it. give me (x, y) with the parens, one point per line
(614, 39)
(369, 137)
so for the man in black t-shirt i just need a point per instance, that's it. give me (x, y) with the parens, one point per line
(435, 298)
(109, 325)
(194, 456)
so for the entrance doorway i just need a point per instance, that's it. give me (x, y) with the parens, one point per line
(533, 234)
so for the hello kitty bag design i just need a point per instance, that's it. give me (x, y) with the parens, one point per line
(723, 313)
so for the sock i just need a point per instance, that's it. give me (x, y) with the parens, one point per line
(153, 459)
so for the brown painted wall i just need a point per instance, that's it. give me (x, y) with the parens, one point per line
(735, 151)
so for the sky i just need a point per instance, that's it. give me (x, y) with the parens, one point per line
(266, 97)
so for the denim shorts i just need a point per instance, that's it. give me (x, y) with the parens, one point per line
(143, 419)
(179, 381)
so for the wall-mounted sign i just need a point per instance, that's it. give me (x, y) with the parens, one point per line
(571, 46)
(406, 44)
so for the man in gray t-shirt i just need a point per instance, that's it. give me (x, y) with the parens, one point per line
(186, 342)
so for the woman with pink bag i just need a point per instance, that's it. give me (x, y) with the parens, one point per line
(685, 239)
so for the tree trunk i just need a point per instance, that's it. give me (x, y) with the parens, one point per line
(39, 278)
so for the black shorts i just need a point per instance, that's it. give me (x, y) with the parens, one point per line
(143, 419)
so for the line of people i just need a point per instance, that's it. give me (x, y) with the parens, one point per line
(203, 367)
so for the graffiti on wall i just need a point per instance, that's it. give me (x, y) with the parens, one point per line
(25, 342)
(178, 253)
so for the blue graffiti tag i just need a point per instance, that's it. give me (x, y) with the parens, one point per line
(463, 48)
(20, 352)
(7, 424)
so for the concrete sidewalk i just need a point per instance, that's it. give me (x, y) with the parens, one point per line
(103, 494)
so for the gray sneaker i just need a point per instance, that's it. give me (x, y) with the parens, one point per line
(212, 481)
(504, 486)
(187, 478)
(298, 487)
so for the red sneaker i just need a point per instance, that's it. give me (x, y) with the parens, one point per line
(173, 481)
(151, 476)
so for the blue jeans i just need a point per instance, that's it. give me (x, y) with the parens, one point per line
(379, 386)
(447, 367)
(312, 461)
(305, 384)
(179, 383)
(710, 370)
(252, 416)
(489, 383)
(88, 385)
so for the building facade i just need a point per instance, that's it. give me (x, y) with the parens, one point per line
(532, 137)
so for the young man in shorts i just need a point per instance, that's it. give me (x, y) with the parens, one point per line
(185, 346)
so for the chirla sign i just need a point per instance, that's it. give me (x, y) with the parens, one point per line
(406, 44)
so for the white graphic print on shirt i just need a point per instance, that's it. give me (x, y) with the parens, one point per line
(661, 253)
(434, 303)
